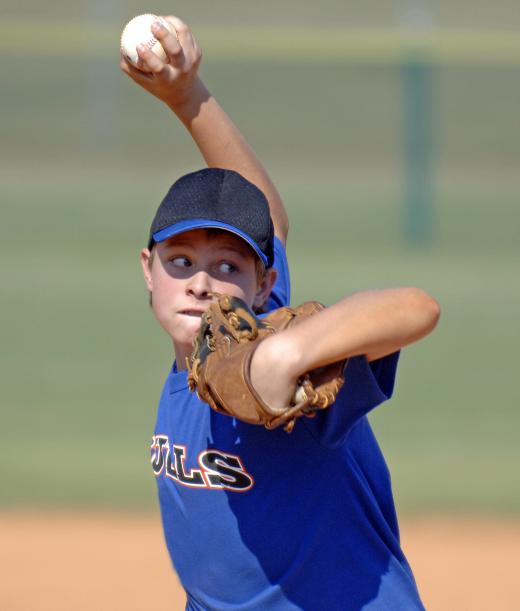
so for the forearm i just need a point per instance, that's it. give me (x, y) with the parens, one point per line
(373, 323)
(176, 83)
(222, 145)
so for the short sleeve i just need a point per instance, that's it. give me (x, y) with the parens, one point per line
(281, 293)
(367, 385)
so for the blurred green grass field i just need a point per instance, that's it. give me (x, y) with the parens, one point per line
(85, 159)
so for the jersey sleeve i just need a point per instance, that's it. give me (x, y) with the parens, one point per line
(367, 385)
(281, 293)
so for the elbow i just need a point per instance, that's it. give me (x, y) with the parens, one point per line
(427, 311)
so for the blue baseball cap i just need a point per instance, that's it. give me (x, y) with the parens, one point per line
(214, 198)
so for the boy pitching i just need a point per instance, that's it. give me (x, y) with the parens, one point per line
(257, 519)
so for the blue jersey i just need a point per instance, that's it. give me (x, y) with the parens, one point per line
(257, 519)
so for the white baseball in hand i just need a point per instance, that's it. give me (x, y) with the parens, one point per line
(138, 31)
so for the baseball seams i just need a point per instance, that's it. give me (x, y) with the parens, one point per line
(137, 31)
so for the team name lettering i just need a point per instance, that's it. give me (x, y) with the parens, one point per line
(218, 470)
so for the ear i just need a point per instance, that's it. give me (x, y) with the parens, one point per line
(264, 288)
(146, 264)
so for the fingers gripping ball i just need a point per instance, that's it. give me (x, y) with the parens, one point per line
(138, 31)
(219, 366)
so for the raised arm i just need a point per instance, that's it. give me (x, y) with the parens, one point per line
(178, 85)
(373, 323)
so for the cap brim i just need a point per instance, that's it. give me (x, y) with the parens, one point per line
(184, 226)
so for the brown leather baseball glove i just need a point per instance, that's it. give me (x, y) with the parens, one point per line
(219, 366)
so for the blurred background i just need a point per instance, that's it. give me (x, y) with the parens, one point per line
(391, 130)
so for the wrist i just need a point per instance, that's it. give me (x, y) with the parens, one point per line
(280, 356)
(272, 372)
(186, 102)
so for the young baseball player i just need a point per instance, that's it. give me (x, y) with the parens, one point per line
(260, 519)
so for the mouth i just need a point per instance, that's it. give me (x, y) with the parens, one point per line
(193, 313)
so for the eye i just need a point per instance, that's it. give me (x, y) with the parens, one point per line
(180, 261)
(225, 267)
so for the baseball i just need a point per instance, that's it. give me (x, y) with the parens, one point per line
(137, 31)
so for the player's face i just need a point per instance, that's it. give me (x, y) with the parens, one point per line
(186, 269)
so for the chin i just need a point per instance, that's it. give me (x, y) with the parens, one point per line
(183, 333)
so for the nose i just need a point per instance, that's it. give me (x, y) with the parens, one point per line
(199, 285)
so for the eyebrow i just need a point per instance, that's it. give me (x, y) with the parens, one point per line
(239, 250)
(176, 240)
(224, 243)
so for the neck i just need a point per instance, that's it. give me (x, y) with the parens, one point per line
(181, 354)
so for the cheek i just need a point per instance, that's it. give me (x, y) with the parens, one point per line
(244, 286)
(164, 289)
(245, 290)
(252, 288)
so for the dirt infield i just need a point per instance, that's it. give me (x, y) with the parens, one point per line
(102, 562)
